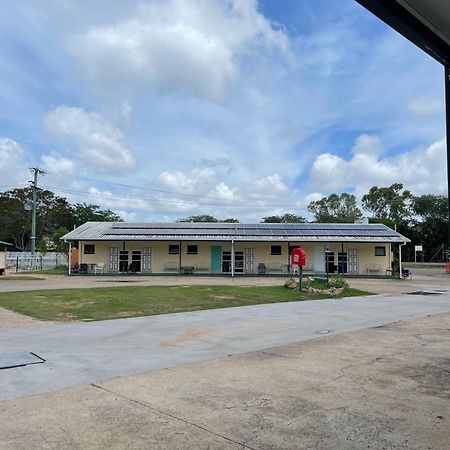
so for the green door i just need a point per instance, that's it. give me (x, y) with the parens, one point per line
(216, 259)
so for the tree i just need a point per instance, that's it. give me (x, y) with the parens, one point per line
(335, 208)
(389, 202)
(286, 218)
(200, 218)
(83, 212)
(15, 221)
(229, 220)
(52, 212)
(430, 224)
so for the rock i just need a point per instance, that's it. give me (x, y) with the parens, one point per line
(291, 284)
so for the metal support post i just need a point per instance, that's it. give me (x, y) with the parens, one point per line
(300, 277)
(232, 258)
(34, 184)
(447, 121)
(70, 257)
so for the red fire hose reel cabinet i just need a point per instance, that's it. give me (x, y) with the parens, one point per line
(298, 257)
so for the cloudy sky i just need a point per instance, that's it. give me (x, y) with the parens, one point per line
(161, 109)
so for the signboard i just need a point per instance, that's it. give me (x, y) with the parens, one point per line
(298, 257)
(418, 248)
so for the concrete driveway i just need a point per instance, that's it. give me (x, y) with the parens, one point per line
(257, 377)
(90, 352)
(378, 388)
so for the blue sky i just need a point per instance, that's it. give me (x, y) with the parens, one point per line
(161, 109)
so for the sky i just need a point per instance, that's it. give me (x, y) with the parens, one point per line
(162, 109)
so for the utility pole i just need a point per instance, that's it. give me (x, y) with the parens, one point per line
(34, 185)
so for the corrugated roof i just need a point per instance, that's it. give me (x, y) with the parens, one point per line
(200, 231)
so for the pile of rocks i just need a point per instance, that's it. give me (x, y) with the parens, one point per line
(333, 291)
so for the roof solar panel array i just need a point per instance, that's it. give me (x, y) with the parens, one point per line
(239, 231)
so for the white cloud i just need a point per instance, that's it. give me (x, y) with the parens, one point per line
(58, 166)
(94, 141)
(198, 180)
(269, 187)
(426, 106)
(421, 170)
(367, 145)
(14, 170)
(177, 45)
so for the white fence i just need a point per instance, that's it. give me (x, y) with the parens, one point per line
(24, 261)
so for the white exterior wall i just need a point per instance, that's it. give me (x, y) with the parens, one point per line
(2, 260)
(163, 262)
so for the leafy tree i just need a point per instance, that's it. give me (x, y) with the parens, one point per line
(229, 220)
(335, 208)
(431, 207)
(391, 202)
(15, 222)
(83, 212)
(52, 212)
(200, 218)
(430, 224)
(285, 218)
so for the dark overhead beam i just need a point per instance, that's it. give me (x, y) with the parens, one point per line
(401, 20)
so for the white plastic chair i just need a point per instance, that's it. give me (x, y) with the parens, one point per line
(99, 268)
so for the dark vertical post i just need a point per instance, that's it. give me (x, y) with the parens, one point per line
(289, 259)
(179, 257)
(300, 277)
(447, 121)
(342, 259)
(124, 266)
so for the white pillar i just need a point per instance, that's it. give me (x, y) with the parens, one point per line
(70, 257)
(232, 258)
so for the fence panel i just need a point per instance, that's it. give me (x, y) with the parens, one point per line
(25, 262)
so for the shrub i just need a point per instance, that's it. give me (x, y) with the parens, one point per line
(338, 282)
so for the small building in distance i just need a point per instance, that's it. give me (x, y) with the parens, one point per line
(233, 248)
(3, 251)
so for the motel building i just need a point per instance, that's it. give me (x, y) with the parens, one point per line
(232, 249)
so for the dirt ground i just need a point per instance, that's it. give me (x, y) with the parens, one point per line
(386, 387)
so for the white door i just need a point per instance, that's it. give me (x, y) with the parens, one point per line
(146, 259)
(249, 260)
(353, 267)
(113, 259)
(319, 259)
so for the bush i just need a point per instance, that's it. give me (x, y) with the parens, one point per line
(338, 282)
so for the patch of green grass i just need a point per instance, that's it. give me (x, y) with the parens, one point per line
(60, 270)
(132, 301)
(19, 278)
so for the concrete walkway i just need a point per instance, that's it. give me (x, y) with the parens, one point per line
(91, 352)
(378, 388)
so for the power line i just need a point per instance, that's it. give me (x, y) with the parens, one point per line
(174, 202)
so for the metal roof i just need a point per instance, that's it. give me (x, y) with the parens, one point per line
(426, 23)
(201, 231)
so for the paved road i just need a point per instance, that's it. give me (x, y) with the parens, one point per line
(91, 352)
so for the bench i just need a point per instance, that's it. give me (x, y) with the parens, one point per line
(373, 269)
(275, 268)
(171, 267)
(202, 267)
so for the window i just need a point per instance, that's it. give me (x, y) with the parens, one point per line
(174, 249)
(275, 249)
(192, 249)
(89, 249)
(380, 251)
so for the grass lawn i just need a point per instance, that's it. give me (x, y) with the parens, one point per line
(132, 301)
(19, 278)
